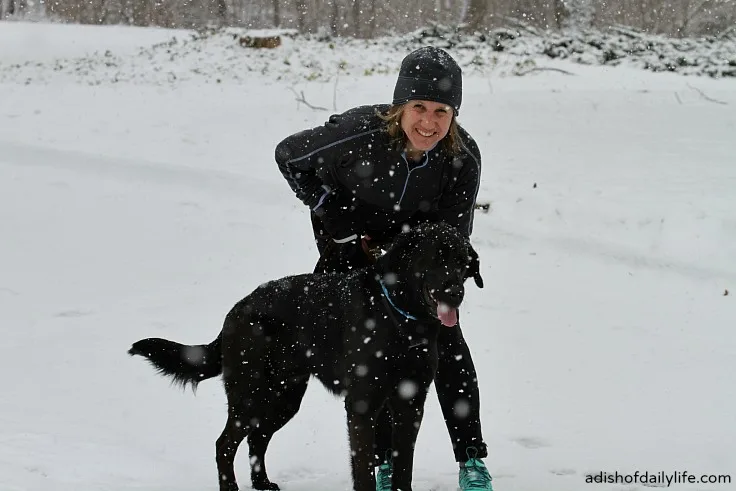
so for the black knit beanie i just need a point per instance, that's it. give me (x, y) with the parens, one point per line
(430, 74)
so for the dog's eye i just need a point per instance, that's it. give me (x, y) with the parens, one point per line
(443, 255)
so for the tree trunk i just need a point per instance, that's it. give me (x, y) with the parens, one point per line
(140, 13)
(222, 12)
(334, 15)
(372, 31)
(559, 13)
(356, 18)
(476, 14)
(464, 12)
(276, 13)
(94, 11)
(576, 14)
(690, 13)
(301, 15)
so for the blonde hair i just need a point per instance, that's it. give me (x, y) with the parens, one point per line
(392, 117)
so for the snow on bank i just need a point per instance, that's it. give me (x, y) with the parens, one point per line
(175, 57)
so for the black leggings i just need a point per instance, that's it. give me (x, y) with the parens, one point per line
(455, 382)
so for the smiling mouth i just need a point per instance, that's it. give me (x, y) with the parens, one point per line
(425, 134)
(446, 314)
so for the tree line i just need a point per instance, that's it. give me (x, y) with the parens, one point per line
(370, 18)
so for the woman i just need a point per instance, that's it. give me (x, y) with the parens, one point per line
(373, 170)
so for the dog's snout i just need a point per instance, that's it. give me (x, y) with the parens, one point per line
(453, 289)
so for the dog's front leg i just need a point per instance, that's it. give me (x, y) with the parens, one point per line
(408, 411)
(361, 429)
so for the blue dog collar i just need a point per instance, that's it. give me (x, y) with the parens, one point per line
(391, 302)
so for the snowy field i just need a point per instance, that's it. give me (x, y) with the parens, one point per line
(604, 338)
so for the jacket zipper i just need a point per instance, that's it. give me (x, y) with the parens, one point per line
(409, 171)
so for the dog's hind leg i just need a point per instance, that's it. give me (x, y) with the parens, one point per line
(285, 398)
(246, 390)
(227, 446)
(248, 405)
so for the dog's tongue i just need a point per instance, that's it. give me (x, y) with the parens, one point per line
(446, 314)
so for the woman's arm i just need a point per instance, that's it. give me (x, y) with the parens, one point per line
(302, 157)
(457, 205)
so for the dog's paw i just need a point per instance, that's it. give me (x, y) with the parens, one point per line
(266, 485)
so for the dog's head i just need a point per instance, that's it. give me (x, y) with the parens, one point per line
(427, 268)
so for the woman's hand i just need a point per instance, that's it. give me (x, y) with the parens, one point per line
(365, 244)
(339, 218)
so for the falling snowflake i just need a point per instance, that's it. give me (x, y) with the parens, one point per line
(407, 389)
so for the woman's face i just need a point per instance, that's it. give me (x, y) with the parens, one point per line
(425, 123)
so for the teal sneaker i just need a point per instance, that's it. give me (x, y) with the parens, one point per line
(474, 475)
(383, 477)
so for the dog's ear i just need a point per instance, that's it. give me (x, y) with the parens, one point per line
(474, 267)
(394, 257)
(427, 258)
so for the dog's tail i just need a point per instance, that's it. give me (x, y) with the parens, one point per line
(185, 364)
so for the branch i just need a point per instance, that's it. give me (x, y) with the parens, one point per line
(697, 10)
(727, 33)
(709, 99)
(626, 31)
(520, 24)
(544, 69)
(300, 98)
(334, 91)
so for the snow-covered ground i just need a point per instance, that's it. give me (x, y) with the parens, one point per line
(604, 339)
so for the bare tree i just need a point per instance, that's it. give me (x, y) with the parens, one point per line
(561, 13)
(369, 18)
(574, 13)
(222, 12)
(691, 11)
(334, 17)
(474, 14)
(356, 18)
(301, 15)
(372, 20)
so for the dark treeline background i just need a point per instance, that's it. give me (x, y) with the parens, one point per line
(369, 18)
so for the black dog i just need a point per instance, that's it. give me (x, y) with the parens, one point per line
(370, 335)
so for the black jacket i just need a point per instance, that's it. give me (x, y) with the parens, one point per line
(352, 154)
